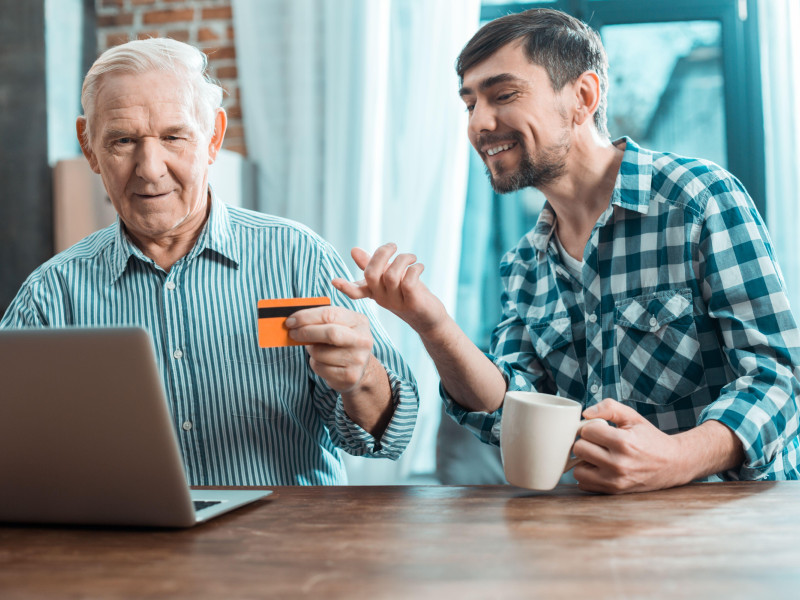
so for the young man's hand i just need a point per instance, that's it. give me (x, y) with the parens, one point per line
(635, 456)
(396, 287)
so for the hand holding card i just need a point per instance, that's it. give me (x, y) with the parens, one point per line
(272, 314)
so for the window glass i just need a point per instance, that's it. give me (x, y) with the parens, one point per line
(666, 86)
(493, 224)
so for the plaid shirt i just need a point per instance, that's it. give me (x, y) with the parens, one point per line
(680, 312)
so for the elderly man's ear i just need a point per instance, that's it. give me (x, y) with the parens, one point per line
(80, 126)
(220, 125)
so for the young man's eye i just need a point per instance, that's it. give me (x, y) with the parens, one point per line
(508, 96)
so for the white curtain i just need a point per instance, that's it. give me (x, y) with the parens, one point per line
(351, 113)
(779, 21)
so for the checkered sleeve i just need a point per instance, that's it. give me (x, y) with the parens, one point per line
(745, 294)
(513, 354)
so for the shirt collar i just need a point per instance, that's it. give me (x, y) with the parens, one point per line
(631, 191)
(217, 236)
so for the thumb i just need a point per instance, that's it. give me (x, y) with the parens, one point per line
(355, 291)
(613, 412)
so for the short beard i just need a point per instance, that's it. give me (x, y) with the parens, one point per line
(549, 167)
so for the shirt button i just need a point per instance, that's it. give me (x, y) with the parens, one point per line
(594, 388)
(653, 321)
(170, 285)
(187, 425)
(177, 354)
(592, 318)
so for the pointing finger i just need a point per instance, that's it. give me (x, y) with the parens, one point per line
(373, 273)
(360, 257)
(395, 272)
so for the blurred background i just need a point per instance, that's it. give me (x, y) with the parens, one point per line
(344, 115)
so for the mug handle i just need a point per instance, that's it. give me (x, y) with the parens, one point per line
(572, 461)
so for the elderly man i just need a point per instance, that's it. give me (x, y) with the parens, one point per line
(647, 290)
(191, 270)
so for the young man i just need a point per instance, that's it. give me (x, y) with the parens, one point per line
(191, 270)
(647, 289)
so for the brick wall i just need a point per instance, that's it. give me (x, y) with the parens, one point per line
(206, 24)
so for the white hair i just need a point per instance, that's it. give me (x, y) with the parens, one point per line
(156, 54)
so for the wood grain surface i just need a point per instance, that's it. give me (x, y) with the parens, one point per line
(721, 540)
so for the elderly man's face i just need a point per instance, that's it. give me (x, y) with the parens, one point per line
(152, 154)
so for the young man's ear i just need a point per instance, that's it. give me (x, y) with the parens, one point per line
(587, 96)
(220, 126)
(86, 148)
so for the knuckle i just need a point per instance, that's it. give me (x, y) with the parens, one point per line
(391, 280)
(335, 337)
(406, 285)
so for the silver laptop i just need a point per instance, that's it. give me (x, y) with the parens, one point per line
(86, 437)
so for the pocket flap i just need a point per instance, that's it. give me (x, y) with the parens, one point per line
(549, 336)
(652, 311)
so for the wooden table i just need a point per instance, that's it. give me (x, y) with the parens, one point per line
(731, 540)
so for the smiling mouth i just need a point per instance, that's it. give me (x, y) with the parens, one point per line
(500, 148)
(141, 195)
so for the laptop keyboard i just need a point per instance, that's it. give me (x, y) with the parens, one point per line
(201, 504)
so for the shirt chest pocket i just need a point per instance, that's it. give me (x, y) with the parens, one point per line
(658, 353)
(260, 381)
(552, 341)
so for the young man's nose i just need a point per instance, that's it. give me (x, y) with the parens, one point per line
(482, 119)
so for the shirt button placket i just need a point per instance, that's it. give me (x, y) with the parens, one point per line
(172, 301)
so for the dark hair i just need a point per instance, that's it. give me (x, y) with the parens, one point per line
(564, 46)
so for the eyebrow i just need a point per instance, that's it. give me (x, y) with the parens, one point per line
(113, 134)
(491, 82)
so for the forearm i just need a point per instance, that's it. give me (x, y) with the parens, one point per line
(469, 377)
(709, 448)
(369, 404)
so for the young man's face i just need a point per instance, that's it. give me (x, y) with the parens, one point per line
(518, 124)
(153, 155)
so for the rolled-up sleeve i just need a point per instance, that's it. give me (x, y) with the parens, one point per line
(746, 295)
(513, 354)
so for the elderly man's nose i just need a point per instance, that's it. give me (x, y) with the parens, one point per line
(150, 162)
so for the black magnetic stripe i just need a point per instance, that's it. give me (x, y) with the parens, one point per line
(282, 311)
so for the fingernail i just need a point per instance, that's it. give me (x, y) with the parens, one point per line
(591, 410)
(290, 321)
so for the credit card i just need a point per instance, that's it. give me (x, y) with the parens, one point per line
(272, 315)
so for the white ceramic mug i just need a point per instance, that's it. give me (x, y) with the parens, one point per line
(536, 437)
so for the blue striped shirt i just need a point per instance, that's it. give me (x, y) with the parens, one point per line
(679, 311)
(244, 415)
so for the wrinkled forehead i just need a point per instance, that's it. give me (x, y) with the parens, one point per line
(154, 96)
